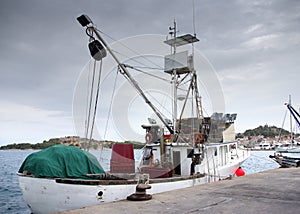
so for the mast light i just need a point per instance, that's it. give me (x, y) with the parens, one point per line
(97, 50)
(84, 20)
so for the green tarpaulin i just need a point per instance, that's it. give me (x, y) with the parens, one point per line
(61, 162)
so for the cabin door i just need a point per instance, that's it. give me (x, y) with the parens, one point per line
(176, 161)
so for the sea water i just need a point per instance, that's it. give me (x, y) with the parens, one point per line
(11, 200)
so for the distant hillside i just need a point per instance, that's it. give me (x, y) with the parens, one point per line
(266, 131)
(69, 141)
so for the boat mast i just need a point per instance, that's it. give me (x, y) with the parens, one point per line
(291, 122)
(85, 21)
(178, 64)
(175, 79)
(293, 113)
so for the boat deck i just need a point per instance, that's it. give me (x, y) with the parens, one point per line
(274, 191)
(118, 181)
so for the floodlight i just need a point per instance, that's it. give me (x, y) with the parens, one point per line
(97, 50)
(84, 20)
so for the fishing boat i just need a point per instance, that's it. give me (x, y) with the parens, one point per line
(179, 152)
(288, 153)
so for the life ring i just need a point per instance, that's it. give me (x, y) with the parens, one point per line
(148, 137)
(197, 137)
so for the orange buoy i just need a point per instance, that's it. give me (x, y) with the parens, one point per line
(240, 172)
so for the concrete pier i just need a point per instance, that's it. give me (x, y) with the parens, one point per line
(274, 191)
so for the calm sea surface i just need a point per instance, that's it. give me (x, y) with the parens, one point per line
(11, 200)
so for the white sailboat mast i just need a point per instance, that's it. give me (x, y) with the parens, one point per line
(291, 122)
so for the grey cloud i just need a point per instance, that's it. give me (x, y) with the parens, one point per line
(43, 49)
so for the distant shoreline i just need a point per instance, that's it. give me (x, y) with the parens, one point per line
(69, 141)
(42, 149)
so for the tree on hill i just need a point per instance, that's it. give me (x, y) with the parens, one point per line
(79, 142)
(266, 131)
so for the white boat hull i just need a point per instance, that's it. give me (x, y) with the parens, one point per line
(48, 196)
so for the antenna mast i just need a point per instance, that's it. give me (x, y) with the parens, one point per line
(173, 31)
(178, 64)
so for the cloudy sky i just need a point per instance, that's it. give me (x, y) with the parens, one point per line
(254, 47)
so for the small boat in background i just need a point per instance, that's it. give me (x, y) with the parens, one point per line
(287, 154)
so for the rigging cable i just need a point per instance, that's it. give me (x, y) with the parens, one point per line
(133, 51)
(159, 103)
(133, 84)
(282, 126)
(96, 102)
(90, 103)
(152, 75)
(111, 101)
(87, 101)
(152, 68)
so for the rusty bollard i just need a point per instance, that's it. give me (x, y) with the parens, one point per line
(140, 193)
